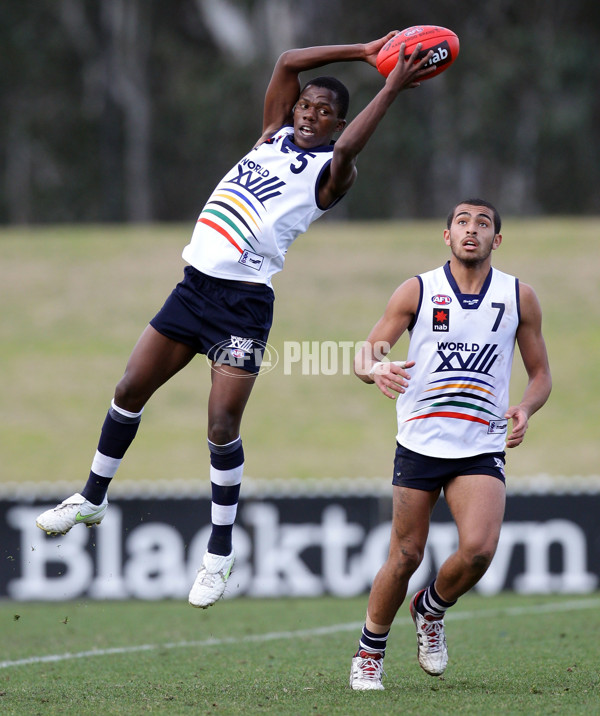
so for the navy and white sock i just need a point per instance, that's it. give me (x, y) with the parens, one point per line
(430, 602)
(118, 432)
(226, 469)
(369, 641)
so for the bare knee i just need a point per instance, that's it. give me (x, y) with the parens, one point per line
(478, 561)
(129, 395)
(404, 562)
(223, 428)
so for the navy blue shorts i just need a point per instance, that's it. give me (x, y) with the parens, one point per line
(421, 472)
(229, 321)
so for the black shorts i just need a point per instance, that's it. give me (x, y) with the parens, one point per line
(229, 321)
(421, 472)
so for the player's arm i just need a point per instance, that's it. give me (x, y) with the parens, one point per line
(390, 377)
(342, 171)
(284, 87)
(535, 359)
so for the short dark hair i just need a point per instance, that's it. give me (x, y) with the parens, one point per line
(338, 88)
(477, 202)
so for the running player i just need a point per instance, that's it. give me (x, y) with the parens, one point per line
(223, 305)
(453, 416)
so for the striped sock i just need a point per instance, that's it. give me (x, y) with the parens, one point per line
(431, 603)
(118, 431)
(226, 469)
(369, 641)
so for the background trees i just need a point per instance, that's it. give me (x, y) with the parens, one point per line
(131, 110)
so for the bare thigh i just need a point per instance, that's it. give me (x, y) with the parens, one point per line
(477, 504)
(411, 517)
(154, 360)
(229, 393)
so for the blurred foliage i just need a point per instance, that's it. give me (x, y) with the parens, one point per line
(132, 110)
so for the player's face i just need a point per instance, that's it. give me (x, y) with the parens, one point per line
(316, 118)
(471, 236)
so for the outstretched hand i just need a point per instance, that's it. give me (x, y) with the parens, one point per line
(372, 48)
(407, 73)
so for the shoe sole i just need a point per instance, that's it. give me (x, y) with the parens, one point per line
(367, 688)
(55, 533)
(206, 606)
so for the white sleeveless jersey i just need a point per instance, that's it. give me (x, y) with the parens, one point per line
(463, 348)
(268, 199)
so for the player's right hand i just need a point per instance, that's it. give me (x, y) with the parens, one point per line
(391, 378)
(372, 48)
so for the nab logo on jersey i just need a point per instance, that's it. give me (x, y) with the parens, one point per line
(441, 320)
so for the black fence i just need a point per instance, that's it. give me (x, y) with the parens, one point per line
(285, 546)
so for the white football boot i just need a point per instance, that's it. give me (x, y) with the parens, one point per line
(431, 641)
(209, 585)
(366, 671)
(72, 511)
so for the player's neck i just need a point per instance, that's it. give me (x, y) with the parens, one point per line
(469, 277)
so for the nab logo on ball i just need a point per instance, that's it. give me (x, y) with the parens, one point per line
(443, 42)
(441, 55)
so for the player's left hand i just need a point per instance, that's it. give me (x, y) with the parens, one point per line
(407, 72)
(520, 423)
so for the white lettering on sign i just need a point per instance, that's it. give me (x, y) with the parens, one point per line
(274, 557)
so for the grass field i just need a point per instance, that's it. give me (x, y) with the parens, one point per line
(76, 298)
(508, 655)
(74, 301)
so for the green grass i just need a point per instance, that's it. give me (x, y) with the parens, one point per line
(509, 654)
(76, 298)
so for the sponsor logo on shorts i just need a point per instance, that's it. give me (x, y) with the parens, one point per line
(441, 320)
(497, 426)
(240, 347)
(249, 258)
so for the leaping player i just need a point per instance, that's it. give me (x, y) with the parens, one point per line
(223, 306)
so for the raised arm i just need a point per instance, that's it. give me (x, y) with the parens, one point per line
(342, 173)
(535, 359)
(284, 87)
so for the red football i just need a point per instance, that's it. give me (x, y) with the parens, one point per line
(443, 42)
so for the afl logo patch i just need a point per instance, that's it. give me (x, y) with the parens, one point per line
(441, 299)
